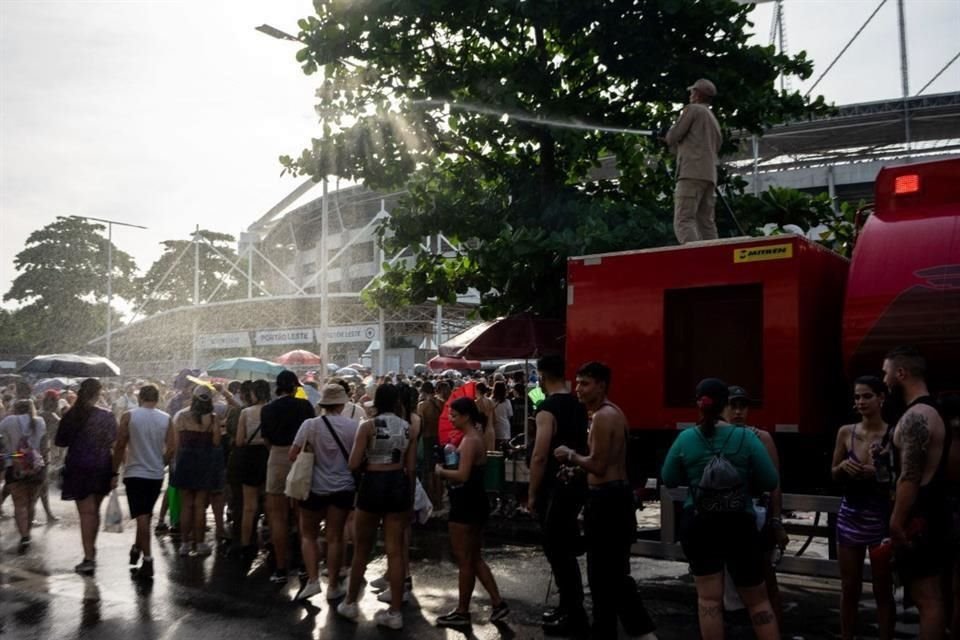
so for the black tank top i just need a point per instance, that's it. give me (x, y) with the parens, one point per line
(931, 502)
(571, 418)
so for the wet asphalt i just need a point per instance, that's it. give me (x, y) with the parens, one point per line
(215, 597)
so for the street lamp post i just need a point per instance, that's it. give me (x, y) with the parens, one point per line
(109, 224)
(273, 32)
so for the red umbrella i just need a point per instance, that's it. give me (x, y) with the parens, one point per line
(439, 363)
(515, 337)
(446, 431)
(299, 358)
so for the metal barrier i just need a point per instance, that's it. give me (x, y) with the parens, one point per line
(668, 547)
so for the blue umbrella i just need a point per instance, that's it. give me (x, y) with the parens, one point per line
(71, 365)
(244, 369)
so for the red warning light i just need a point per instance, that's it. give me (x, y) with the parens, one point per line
(905, 184)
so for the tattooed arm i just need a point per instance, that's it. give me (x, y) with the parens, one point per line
(913, 439)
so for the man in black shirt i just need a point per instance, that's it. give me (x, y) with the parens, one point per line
(280, 420)
(557, 494)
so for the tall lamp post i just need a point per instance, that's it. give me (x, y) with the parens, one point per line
(273, 32)
(109, 224)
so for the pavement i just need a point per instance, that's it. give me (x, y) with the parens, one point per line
(213, 598)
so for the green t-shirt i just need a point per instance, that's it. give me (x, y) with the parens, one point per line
(691, 452)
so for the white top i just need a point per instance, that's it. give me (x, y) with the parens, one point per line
(14, 427)
(330, 470)
(148, 440)
(354, 412)
(252, 423)
(388, 440)
(351, 411)
(502, 413)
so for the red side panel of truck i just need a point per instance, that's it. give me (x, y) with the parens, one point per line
(904, 284)
(764, 313)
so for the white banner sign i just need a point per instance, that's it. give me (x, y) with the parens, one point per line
(284, 336)
(237, 340)
(351, 333)
(8, 364)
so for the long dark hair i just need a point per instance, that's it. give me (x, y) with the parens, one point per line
(500, 392)
(246, 392)
(386, 399)
(199, 407)
(876, 384)
(408, 400)
(259, 392)
(467, 407)
(712, 395)
(86, 395)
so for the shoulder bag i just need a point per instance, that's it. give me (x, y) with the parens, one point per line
(357, 475)
(300, 476)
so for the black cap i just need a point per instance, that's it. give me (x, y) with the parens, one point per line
(713, 388)
(738, 393)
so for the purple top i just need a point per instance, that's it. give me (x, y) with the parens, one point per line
(88, 466)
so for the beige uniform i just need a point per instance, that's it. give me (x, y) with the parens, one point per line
(696, 140)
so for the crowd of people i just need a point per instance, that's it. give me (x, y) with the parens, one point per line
(228, 449)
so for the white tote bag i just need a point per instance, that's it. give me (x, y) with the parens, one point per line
(113, 519)
(300, 476)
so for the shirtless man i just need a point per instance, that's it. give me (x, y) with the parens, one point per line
(609, 520)
(486, 406)
(919, 527)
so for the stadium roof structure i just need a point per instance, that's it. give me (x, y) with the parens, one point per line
(858, 132)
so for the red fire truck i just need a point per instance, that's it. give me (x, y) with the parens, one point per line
(787, 319)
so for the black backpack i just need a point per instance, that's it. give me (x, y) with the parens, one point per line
(721, 489)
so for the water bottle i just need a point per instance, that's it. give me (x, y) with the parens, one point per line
(882, 463)
(451, 457)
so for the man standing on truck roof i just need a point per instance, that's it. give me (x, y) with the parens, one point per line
(920, 523)
(696, 138)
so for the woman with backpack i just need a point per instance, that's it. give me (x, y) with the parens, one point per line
(25, 434)
(724, 466)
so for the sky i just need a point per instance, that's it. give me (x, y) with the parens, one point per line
(170, 113)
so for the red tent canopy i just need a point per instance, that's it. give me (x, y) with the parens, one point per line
(299, 358)
(519, 336)
(439, 363)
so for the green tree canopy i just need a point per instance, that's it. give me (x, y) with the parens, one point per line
(415, 93)
(62, 285)
(68, 259)
(169, 281)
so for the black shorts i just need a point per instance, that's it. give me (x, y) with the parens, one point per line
(250, 464)
(714, 540)
(927, 553)
(468, 506)
(142, 494)
(319, 502)
(385, 492)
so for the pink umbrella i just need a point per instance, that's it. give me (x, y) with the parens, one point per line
(299, 358)
(439, 363)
